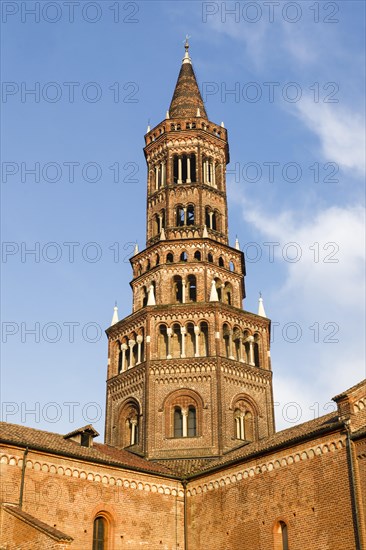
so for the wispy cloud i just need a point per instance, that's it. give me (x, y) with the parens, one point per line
(340, 130)
(327, 285)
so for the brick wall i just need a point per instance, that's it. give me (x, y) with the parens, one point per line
(142, 510)
(306, 487)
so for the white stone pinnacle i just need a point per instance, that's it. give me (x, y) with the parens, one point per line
(214, 297)
(115, 315)
(151, 298)
(261, 310)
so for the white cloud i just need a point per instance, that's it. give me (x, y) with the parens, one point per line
(332, 248)
(340, 130)
(309, 372)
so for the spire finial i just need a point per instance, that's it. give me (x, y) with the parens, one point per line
(186, 58)
(186, 45)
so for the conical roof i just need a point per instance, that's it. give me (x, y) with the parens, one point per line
(187, 97)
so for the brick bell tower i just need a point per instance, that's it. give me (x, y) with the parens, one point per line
(189, 372)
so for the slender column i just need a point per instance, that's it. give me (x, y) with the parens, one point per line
(179, 169)
(237, 426)
(241, 349)
(231, 345)
(185, 422)
(242, 434)
(156, 177)
(251, 350)
(183, 350)
(188, 169)
(160, 222)
(169, 334)
(210, 216)
(185, 215)
(183, 292)
(139, 342)
(213, 174)
(205, 171)
(163, 174)
(124, 349)
(133, 430)
(131, 344)
(196, 341)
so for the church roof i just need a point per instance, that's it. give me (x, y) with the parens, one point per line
(187, 96)
(346, 393)
(37, 524)
(284, 438)
(49, 442)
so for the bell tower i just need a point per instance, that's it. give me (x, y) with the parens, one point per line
(189, 372)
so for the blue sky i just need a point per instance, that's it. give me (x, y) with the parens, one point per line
(289, 85)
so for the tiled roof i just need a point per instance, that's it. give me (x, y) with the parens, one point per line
(37, 524)
(187, 96)
(56, 444)
(177, 468)
(183, 467)
(350, 390)
(289, 436)
(85, 429)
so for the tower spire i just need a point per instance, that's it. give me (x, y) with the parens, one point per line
(187, 97)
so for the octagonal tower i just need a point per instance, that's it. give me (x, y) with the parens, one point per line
(189, 372)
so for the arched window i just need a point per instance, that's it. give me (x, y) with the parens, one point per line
(207, 217)
(243, 422)
(256, 350)
(227, 294)
(203, 339)
(190, 215)
(191, 421)
(162, 342)
(157, 259)
(184, 167)
(148, 265)
(237, 343)
(176, 340)
(209, 257)
(190, 340)
(119, 357)
(219, 286)
(100, 533)
(156, 224)
(178, 422)
(169, 258)
(221, 262)
(177, 289)
(180, 221)
(183, 414)
(226, 338)
(183, 257)
(281, 536)
(192, 288)
(197, 255)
